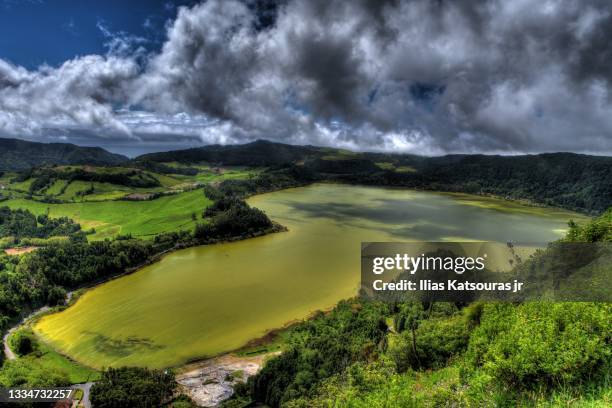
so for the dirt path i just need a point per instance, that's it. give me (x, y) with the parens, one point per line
(210, 382)
(8, 353)
(86, 388)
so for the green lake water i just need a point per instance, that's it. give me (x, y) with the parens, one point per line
(207, 300)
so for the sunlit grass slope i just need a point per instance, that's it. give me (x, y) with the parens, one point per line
(139, 218)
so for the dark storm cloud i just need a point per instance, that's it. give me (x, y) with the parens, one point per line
(422, 76)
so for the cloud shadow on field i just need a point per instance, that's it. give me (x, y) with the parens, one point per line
(119, 347)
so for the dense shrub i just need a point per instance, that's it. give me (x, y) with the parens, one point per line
(320, 348)
(271, 180)
(428, 339)
(542, 344)
(21, 343)
(21, 374)
(224, 204)
(597, 230)
(125, 177)
(40, 183)
(231, 217)
(56, 296)
(132, 387)
(166, 169)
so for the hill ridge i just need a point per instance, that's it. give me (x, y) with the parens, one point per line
(18, 154)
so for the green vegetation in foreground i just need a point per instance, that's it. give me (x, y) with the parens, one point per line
(40, 365)
(420, 354)
(136, 218)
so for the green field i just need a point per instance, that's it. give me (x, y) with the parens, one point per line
(139, 218)
(209, 175)
(102, 191)
(56, 188)
(22, 185)
(73, 191)
(73, 188)
(45, 360)
(103, 210)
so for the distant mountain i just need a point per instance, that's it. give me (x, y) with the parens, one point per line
(574, 181)
(258, 153)
(20, 155)
(266, 153)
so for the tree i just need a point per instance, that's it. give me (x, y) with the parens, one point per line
(22, 343)
(133, 387)
(56, 296)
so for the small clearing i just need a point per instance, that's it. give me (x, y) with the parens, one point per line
(210, 382)
(20, 251)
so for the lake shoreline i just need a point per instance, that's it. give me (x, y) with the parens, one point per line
(160, 256)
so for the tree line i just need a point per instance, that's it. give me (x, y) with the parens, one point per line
(20, 223)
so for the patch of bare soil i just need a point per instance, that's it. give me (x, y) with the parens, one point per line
(210, 382)
(20, 251)
(138, 196)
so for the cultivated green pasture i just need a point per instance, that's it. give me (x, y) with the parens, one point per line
(209, 175)
(56, 188)
(103, 211)
(72, 191)
(139, 218)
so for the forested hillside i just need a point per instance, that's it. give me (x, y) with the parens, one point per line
(574, 181)
(20, 155)
(568, 180)
(259, 153)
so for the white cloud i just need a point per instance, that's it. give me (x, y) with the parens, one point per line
(419, 76)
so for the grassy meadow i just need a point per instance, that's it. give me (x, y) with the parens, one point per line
(139, 218)
(101, 205)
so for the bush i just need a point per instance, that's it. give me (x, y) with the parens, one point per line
(22, 374)
(56, 296)
(542, 344)
(431, 344)
(316, 353)
(597, 230)
(21, 343)
(182, 401)
(239, 219)
(22, 223)
(132, 387)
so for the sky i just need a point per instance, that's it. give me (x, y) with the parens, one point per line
(426, 77)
